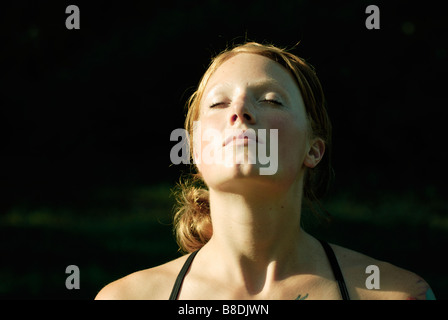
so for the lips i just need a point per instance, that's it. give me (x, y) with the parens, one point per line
(242, 137)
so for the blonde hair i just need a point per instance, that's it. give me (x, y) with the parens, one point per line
(192, 221)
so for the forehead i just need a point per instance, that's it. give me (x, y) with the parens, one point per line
(249, 68)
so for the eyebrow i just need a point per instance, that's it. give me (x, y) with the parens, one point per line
(268, 83)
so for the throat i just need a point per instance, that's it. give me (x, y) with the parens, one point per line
(256, 224)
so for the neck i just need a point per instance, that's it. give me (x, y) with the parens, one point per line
(258, 234)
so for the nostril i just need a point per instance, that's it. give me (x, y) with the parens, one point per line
(246, 116)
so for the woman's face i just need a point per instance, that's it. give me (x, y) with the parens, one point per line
(250, 91)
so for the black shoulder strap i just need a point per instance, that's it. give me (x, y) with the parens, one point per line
(181, 276)
(336, 270)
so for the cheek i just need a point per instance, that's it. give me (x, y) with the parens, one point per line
(207, 140)
(292, 137)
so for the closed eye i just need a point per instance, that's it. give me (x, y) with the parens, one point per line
(272, 101)
(217, 104)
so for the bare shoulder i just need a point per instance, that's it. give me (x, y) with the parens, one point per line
(371, 279)
(149, 284)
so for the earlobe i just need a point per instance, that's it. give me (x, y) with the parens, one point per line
(315, 153)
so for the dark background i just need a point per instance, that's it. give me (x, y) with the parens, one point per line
(86, 115)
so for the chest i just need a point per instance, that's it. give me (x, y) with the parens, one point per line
(296, 288)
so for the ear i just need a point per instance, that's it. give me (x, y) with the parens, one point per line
(315, 153)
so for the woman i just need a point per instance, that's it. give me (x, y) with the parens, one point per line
(242, 228)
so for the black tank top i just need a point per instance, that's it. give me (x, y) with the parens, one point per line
(328, 250)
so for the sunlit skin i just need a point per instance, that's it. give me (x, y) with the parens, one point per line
(258, 249)
(251, 91)
(256, 218)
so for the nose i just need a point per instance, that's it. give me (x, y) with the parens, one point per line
(242, 111)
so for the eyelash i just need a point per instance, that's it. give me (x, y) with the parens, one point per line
(270, 101)
(216, 104)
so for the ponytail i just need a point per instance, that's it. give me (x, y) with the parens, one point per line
(192, 221)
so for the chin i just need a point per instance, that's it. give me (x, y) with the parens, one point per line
(237, 178)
